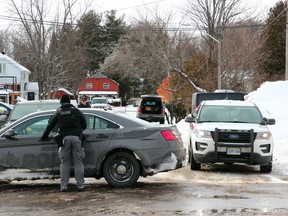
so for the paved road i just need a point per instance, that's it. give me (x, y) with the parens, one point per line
(215, 190)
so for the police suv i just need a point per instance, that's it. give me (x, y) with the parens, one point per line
(230, 131)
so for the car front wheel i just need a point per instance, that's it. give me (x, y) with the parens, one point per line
(121, 170)
(193, 164)
(266, 168)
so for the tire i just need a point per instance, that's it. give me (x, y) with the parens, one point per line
(121, 170)
(193, 164)
(162, 121)
(266, 168)
(189, 155)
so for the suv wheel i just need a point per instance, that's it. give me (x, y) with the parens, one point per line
(193, 164)
(266, 168)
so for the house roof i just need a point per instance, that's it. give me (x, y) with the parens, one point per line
(98, 75)
(6, 59)
(98, 93)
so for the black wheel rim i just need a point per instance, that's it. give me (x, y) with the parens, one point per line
(121, 169)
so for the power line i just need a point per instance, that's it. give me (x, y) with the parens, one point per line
(141, 5)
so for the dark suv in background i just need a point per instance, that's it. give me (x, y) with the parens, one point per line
(151, 109)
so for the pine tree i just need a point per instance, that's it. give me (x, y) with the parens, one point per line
(271, 61)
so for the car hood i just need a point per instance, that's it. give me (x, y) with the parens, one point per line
(210, 126)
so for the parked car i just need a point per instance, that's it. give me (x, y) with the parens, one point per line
(5, 110)
(23, 108)
(151, 109)
(230, 131)
(100, 102)
(118, 147)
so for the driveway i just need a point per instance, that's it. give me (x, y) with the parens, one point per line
(216, 190)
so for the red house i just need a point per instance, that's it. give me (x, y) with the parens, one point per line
(98, 85)
(61, 91)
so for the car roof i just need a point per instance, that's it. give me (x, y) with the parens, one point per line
(49, 101)
(151, 95)
(120, 118)
(38, 101)
(229, 103)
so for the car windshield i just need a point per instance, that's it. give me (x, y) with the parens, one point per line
(21, 110)
(237, 114)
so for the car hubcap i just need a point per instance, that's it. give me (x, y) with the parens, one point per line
(121, 169)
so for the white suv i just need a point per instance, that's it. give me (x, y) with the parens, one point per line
(230, 131)
(100, 102)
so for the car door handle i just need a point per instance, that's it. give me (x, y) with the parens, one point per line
(101, 136)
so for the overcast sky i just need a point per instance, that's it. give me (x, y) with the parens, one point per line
(132, 8)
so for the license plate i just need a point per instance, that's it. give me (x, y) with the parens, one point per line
(233, 151)
(147, 108)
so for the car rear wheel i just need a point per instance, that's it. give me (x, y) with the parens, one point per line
(121, 170)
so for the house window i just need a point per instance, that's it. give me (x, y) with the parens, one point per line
(2, 68)
(106, 85)
(89, 85)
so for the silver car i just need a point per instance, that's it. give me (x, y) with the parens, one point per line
(23, 108)
(118, 147)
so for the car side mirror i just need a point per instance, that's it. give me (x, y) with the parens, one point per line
(266, 121)
(194, 114)
(189, 118)
(5, 112)
(9, 133)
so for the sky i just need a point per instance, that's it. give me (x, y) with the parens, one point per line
(134, 8)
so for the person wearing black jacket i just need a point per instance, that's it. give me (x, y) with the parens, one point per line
(84, 102)
(71, 122)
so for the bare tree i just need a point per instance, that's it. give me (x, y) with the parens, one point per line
(240, 50)
(212, 17)
(33, 41)
(151, 51)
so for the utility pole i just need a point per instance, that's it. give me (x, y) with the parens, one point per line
(286, 46)
(219, 56)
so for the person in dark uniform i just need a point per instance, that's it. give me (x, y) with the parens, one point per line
(71, 123)
(84, 103)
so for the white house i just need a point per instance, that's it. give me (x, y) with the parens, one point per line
(15, 78)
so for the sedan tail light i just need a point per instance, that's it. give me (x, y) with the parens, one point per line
(168, 135)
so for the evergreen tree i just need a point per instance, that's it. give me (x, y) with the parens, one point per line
(271, 63)
(99, 36)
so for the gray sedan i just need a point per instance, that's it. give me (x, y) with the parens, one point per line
(118, 147)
